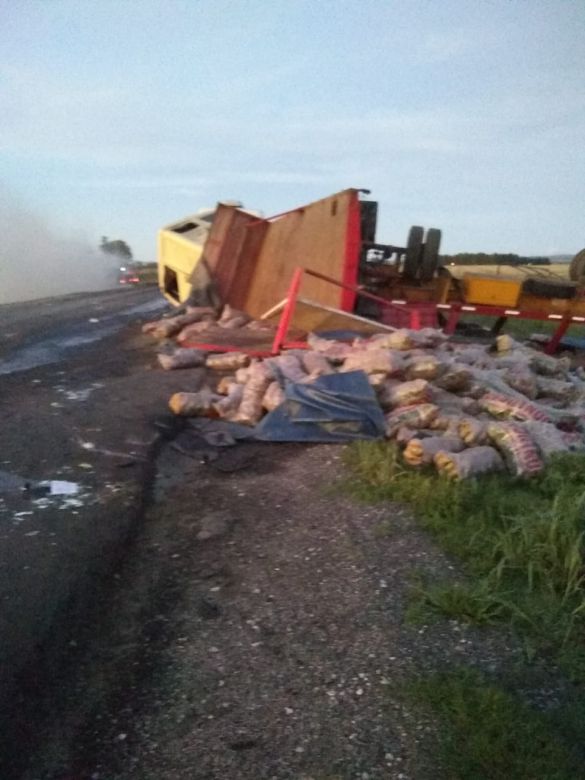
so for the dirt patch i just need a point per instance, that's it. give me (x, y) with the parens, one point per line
(271, 644)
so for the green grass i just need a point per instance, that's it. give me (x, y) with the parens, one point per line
(488, 734)
(521, 543)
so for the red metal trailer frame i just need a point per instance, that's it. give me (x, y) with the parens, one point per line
(415, 312)
(415, 316)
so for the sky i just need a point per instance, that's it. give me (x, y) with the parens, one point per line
(117, 118)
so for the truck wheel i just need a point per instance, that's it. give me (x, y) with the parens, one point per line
(577, 267)
(430, 254)
(413, 253)
(549, 288)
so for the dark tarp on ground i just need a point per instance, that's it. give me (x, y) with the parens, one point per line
(333, 408)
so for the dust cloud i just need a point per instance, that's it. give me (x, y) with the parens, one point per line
(36, 262)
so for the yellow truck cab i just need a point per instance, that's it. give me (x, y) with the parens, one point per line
(180, 247)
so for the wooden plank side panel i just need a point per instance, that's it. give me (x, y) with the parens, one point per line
(231, 252)
(313, 237)
(246, 264)
(219, 229)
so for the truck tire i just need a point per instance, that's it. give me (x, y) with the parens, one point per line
(577, 267)
(413, 253)
(430, 254)
(546, 288)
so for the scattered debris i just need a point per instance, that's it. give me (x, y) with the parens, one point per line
(128, 457)
(61, 487)
(464, 408)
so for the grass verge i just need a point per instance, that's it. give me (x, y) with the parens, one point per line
(487, 734)
(522, 543)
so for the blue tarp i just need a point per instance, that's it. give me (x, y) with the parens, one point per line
(333, 408)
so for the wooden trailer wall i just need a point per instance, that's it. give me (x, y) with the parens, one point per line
(252, 260)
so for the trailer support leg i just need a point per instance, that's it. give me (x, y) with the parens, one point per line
(553, 344)
(498, 325)
(454, 315)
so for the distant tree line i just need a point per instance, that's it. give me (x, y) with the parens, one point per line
(482, 258)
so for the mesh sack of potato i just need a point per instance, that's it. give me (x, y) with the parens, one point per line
(473, 356)
(335, 351)
(415, 417)
(469, 463)
(548, 365)
(522, 380)
(232, 318)
(557, 389)
(420, 452)
(169, 326)
(505, 343)
(456, 378)
(289, 366)
(517, 447)
(398, 339)
(273, 397)
(194, 404)
(451, 403)
(193, 332)
(148, 327)
(374, 361)
(417, 391)
(424, 367)
(250, 410)
(377, 380)
(449, 423)
(428, 338)
(315, 363)
(164, 329)
(230, 361)
(404, 434)
(230, 403)
(472, 432)
(224, 385)
(181, 358)
(242, 375)
(550, 440)
(499, 405)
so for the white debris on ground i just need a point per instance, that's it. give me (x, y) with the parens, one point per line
(465, 408)
(78, 395)
(60, 487)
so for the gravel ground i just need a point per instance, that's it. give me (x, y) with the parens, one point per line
(259, 632)
(245, 626)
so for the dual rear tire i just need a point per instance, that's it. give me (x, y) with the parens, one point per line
(422, 254)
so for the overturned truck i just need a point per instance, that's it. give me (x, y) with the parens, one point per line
(249, 261)
(321, 260)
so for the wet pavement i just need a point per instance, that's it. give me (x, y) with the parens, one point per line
(62, 338)
(76, 452)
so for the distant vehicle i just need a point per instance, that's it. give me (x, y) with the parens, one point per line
(128, 274)
(138, 273)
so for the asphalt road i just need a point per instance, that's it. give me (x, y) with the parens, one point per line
(72, 372)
